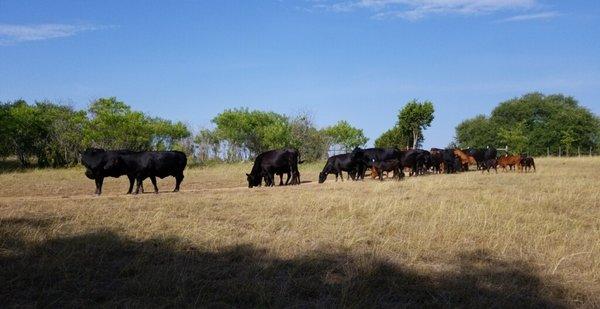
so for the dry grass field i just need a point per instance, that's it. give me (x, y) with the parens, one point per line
(466, 240)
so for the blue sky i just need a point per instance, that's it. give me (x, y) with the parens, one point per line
(357, 60)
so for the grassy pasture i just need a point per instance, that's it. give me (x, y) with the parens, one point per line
(470, 240)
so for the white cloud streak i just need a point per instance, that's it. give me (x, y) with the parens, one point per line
(534, 16)
(13, 34)
(418, 9)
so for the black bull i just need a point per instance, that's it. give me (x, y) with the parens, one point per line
(138, 166)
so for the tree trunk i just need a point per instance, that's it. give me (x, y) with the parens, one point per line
(415, 138)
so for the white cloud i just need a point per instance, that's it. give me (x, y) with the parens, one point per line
(417, 9)
(12, 34)
(534, 16)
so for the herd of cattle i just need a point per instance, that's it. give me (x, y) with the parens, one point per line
(137, 166)
(384, 160)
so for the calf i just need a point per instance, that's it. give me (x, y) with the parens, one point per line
(527, 163)
(509, 161)
(393, 165)
(488, 164)
(337, 165)
(366, 157)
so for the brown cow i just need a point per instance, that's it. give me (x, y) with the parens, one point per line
(510, 161)
(465, 159)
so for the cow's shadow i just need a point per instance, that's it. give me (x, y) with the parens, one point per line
(106, 269)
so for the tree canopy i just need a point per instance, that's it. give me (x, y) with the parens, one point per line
(53, 134)
(413, 118)
(345, 135)
(533, 123)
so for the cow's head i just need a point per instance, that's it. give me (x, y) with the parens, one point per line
(322, 177)
(254, 180)
(114, 166)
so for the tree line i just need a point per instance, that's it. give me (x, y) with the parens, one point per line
(533, 123)
(52, 135)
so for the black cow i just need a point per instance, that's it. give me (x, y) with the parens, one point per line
(393, 165)
(100, 163)
(478, 155)
(272, 162)
(490, 153)
(418, 160)
(338, 164)
(436, 159)
(152, 164)
(489, 164)
(450, 161)
(367, 156)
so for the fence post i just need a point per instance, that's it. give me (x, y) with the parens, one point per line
(559, 151)
(579, 151)
(548, 151)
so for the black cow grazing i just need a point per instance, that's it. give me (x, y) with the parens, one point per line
(367, 156)
(527, 163)
(338, 164)
(152, 164)
(450, 161)
(272, 162)
(100, 163)
(393, 165)
(489, 164)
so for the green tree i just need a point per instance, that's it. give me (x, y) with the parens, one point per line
(255, 131)
(415, 117)
(476, 132)
(543, 120)
(113, 125)
(345, 135)
(514, 137)
(305, 137)
(393, 138)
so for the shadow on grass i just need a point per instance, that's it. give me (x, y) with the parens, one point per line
(106, 269)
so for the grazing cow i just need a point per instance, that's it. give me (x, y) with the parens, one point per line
(393, 165)
(99, 164)
(451, 162)
(152, 164)
(527, 163)
(272, 162)
(338, 164)
(509, 161)
(365, 157)
(488, 164)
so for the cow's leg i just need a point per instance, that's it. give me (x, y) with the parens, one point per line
(139, 180)
(131, 182)
(99, 182)
(178, 180)
(287, 180)
(153, 179)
